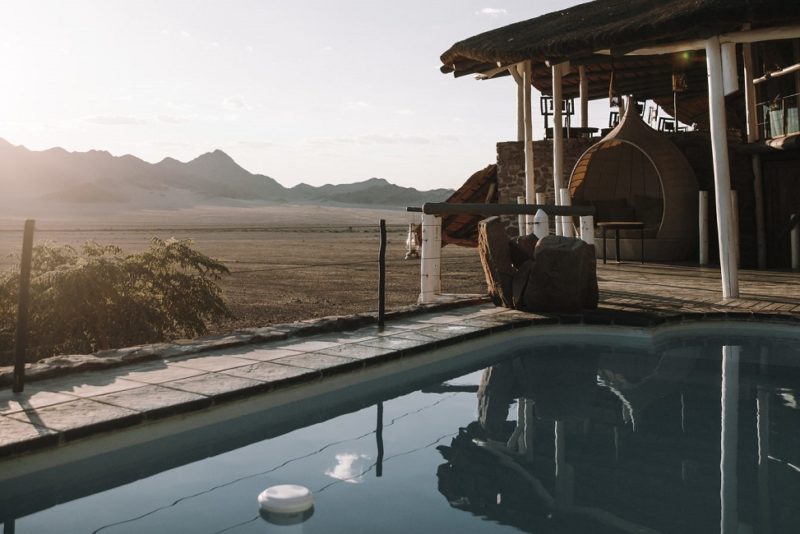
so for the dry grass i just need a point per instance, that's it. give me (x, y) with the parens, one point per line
(287, 264)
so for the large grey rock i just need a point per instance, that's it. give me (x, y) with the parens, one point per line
(563, 277)
(496, 260)
(522, 249)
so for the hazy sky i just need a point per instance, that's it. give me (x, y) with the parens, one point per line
(310, 91)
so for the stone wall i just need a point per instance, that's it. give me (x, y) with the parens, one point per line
(511, 166)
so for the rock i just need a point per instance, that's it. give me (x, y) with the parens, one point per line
(520, 284)
(496, 260)
(563, 277)
(522, 249)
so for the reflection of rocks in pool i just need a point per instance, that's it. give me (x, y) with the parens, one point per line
(562, 385)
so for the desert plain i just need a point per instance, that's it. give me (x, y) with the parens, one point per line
(288, 263)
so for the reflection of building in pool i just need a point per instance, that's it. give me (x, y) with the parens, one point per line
(611, 442)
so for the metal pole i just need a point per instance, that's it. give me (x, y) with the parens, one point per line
(722, 176)
(382, 277)
(21, 340)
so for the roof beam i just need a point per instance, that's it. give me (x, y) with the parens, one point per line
(745, 36)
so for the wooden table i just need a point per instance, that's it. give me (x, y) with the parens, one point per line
(617, 226)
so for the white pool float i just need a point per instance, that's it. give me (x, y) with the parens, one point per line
(286, 499)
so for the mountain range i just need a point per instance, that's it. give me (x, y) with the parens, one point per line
(82, 179)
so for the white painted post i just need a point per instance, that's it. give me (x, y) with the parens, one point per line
(516, 73)
(521, 219)
(430, 263)
(722, 175)
(729, 440)
(530, 181)
(735, 226)
(584, 96)
(753, 136)
(541, 199)
(702, 218)
(541, 224)
(567, 225)
(558, 138)
(730, 74)
(794, 235)
(587, 229)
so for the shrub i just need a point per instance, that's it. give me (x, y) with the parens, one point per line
(100, 298)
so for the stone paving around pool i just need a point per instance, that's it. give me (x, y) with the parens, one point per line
(59, 410)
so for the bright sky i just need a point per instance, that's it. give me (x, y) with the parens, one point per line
(308, 91)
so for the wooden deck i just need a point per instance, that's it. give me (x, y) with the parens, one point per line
(681, 289)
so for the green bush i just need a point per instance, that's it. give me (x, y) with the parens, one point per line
(100, 298)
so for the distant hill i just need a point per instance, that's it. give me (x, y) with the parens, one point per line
(56, 176)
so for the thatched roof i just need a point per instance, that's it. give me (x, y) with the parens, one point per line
(616, 25)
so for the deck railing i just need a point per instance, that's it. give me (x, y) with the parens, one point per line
(780, 116)
(430, 264)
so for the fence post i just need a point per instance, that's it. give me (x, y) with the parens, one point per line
(382, 277)
(794, 236)
(430, 264)
(702, 218)
(521, 219)
(587, 229)
(21, 339)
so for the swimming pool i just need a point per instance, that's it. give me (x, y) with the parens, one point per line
(691, 428)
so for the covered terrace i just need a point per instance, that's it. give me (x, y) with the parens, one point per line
(701, 50)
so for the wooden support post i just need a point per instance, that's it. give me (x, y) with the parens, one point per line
(430, 263)
(521, 219)
(750, 98)
(530, 179)
(702, 218)
(794, 236)
(516, 73)
(567, 227)
(558, 137)
(735, 227)
(382, 277)
(23, 305)
(584, 96)
(722, 175)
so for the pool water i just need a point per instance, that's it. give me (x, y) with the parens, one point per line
(701, 434)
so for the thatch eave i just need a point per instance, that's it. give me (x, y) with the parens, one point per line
(616, 25)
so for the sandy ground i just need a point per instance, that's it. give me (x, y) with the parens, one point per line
(288, 263)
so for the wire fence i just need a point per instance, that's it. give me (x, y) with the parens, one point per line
(282, 274)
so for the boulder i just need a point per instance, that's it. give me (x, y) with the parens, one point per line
(522, 249)
(496, 260)
(563, 277)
